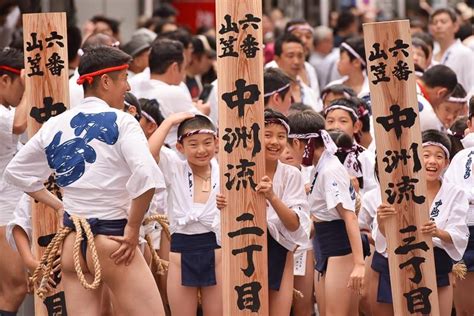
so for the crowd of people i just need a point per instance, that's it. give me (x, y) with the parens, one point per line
(136, 159)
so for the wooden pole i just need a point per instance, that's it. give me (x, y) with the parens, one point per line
(402, 175)
(47, 92)
(241, 156)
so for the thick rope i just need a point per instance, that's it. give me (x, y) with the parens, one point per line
(52, 251)
(162, 220)
(358, 203)
(160, 264)
(297, 294)
(460, 270)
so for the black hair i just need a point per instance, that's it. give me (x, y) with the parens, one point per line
(459, 91)
(338, 89)
(274, 79)
(471, 107)
(306, 122)
(459, 126)
(425, 37)
(271, 114)
(13, 58)
(180, 35)
(131, 100)
(345, 19)
(163, 54)
(300, 107)
(152, 107)
(74, 41)
(433, 135)
(450, 12)
(419, 43)
(98, 58)
(112, 23)
(350, 103)
(295, 22)
(440, 76)
(357, 44)
(160, 24)
(418, 23)
(165, 11)
(285, 38)
(195, 123)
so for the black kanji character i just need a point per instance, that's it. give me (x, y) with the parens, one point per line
(55, 37)
(229, 26)
(48, 110)
(402, 71)
(56, 304)
(435, 211)
(237, 98)
(418, 301)
(233, 138)
(250, 46)
(228, 47)
(379, 72)
(35, 66)
(399, 45)
(378, 53)
(409, 246)
(55, 64)
(398, 119)
(392, 158)
(34, 44)
(415, 262)
(406, 190)
(249, 251)
(250, 19)
(253, 230)
(467, 172)
(244, 176)
(248, 296)
(53, 187)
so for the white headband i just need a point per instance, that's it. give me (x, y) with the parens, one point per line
(278, 121)
(446, 151)
(303, 27)
(148, 117)
(342, 107)
(329, 144)
(276, 91)
(457, 100)
(353, 53)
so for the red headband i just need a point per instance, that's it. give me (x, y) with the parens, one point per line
(90, 77)
(10, 69)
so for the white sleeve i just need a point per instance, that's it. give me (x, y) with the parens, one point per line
(22, 218)
(379, 239)
(294, 197)
(145, 174)
(29, 169)
(6, 123)
(338, 189)
(169, 162)
(365, 218)
(367, 161)
(456, 227)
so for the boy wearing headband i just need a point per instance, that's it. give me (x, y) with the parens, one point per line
(13, 114)
(287, 213)
(195, 257)
(456, 105)
(337, 243)
(102, 161)
(447, 225)
(277, 90)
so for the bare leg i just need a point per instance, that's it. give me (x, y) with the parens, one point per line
(445, 297)
(304, 284)
(463, 295)
(13, 285)
(163, 252)
(376, 308)
(183, 299)
(211, 296)
(340, 300)
(280, 301)
(319, 292)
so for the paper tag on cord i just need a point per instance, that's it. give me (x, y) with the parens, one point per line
(300, 264)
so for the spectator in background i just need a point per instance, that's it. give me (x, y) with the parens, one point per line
(347, 26)
(106, 25)
(201, 62)
(74, 40)
(165, 26)
(324, 56)
(166, 12)
(421, 53)
(139, 48)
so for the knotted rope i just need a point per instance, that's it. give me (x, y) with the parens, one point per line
(160, 264)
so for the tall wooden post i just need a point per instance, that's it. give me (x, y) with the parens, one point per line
(241, 156)
(402, 175)
(47, 92)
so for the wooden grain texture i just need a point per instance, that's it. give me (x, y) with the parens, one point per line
(45, 220)
(230, 69)
(383, 96)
